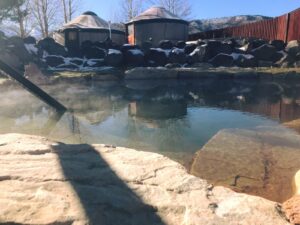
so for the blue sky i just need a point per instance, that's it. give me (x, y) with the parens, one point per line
(203, 9)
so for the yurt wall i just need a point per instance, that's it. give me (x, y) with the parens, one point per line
(156, 31)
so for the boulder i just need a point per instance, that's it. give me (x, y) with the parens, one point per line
(54, 61)
(278, 44)
(265, 52)
(94, 52)
(286, 61)
(166, 44)
(16, 46)
(292, 209)
(57, 183)
(293, 48)
(134, 57)
(157, 56)
(264, 63)
(222, 60)
(51, 47)
(127, 47)
(177, 56)
(114, 58)
(207, 51)
(242, 60)
(29, 40)
(188, 49)
(180, 44)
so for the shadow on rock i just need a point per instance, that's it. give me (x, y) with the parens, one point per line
(106, 199)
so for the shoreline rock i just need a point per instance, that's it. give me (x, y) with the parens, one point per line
(43, 182)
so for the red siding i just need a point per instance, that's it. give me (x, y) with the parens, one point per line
(286, 28)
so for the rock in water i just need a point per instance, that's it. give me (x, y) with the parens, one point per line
(259, 162)
(53, 183)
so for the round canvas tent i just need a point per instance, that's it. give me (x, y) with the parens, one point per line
(156, 24)
(87, 27)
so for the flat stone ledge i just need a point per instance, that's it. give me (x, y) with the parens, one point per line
(43, 182)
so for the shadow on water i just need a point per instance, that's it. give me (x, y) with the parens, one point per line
(105, 197)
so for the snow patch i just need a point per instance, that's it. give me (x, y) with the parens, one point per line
(136, 52)
(114, 51)
(236, 56)
(31, 49)
(167, 52)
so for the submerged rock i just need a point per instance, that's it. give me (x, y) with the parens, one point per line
(261, 162)
(53, 183)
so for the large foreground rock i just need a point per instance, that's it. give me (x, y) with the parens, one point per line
(260, 162)
(52, 183)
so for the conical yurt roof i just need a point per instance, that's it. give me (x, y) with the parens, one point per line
(156, 13)
(87, 20)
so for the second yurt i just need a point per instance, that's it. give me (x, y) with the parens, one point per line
(154, 25)
(87, 27)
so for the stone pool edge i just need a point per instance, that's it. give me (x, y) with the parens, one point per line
(157, 73)
(32, 171)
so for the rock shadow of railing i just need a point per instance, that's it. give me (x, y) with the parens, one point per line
(105, 197)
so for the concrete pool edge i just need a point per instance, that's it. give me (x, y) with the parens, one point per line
(44, 175)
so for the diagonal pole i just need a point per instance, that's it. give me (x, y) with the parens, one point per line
(31, 87)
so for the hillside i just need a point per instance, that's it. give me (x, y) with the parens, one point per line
(211, 24)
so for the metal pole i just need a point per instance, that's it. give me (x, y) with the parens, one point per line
(31, 87)
(288, 17)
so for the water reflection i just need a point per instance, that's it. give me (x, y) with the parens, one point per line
(173, 117)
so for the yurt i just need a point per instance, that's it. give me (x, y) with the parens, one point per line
(87, 27)
(154, 25)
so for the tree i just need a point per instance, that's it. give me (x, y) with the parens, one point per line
(131, 8)
(181, 8)
(46, 14)
(6, 7)
(17, 20)
(69, 9)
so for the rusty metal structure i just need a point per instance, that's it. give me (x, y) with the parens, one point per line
(286, 28)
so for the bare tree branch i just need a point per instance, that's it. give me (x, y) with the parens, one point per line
(181, 8)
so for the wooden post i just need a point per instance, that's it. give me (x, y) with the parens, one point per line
(288, 17)
(31, 87)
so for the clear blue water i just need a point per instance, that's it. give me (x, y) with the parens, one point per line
(175, 118)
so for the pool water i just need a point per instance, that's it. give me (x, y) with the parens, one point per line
(175, 118)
